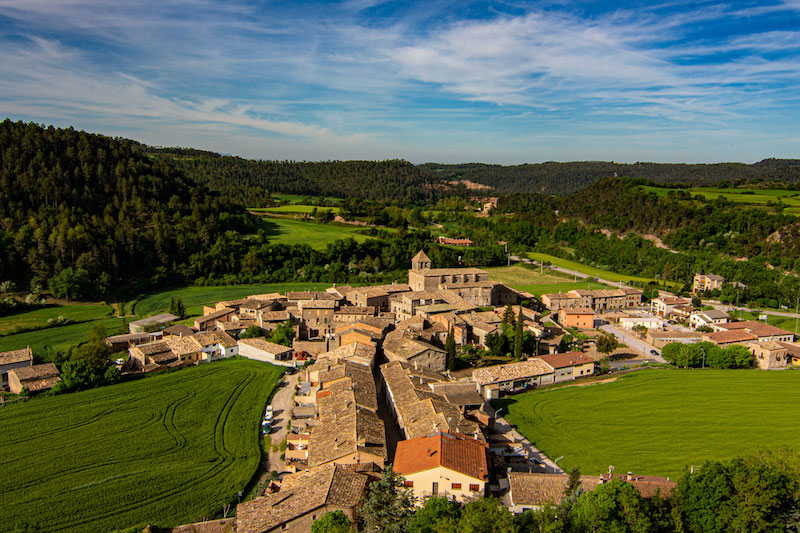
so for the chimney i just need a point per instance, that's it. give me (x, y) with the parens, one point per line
(629, 477)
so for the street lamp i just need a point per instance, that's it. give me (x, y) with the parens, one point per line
(704, 357)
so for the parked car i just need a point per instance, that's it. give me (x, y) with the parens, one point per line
(654, 352)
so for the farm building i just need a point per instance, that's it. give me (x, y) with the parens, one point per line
(13, 360)
(261, 349)
(36, 378)
(152, 323)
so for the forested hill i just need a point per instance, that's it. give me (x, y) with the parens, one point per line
(252, 181)
(686, 223)
(566, 178)
(98, 205)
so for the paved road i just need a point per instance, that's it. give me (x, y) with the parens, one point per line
(574, 273)
(633, 342)
(728, 308)
(282, 404)
(502, 426)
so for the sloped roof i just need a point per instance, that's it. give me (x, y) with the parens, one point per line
(206, 338)
(543, 489)
(300, 494)
(25, 373)
(263, 344)
(564, 360)
(725, 337)
(511, 371)
(759, 329)
(16, 356)
(449, 450)
(421, 256)
(162, 318)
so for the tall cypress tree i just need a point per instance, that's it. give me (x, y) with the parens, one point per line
(518, 337)
(450, 348)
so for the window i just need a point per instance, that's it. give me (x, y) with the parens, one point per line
(474, 487)
(409, 484)
(456, 486)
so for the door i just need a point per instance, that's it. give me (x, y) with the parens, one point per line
(435, 489)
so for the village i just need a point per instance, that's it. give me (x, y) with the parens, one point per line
(370, 381)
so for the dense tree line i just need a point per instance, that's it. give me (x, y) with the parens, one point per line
(251, 182)
(566, 178)
(753, 494)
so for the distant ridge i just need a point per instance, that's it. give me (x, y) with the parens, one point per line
(566, 178)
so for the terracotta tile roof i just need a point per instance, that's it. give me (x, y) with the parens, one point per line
(152, 348)
(274, 316)
(215, 315)
(457, 392)
(577, 311)
(344, 429)
(420, 410)
(35, 372)
(16, 356)
(300, 494)
(262, 343)
(354, 377)
(449, 450)
(647, 486)
(726, 337)
(316, 304)
(353, 350)
(207, 338)
(180, 347)
(564, 360)
(404, 348)
(511, 371)
(759, 329)
(543, 489)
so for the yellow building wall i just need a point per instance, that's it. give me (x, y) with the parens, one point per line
(423, 484)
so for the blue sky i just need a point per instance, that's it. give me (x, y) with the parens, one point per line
(497, 82)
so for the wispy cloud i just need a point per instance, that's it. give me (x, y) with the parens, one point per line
(369, 78)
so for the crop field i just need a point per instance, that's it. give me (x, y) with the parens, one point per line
(316, 235)
(661, 422)
(195, 297)
(164, 450)
(294, 208)
(530, 280)
(299, 198)
(586, 269)
(39, 317)
(753, 197)
(44, 341)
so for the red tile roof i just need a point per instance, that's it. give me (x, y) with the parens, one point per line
(449, 450)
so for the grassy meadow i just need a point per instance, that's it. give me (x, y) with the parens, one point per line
(44, 342)
(530, 280)
(294, 208)
(194, 298)
(316, 235)
(586, 269)
(661, 422)
(752, 197)
(165, 450)
(38, 318)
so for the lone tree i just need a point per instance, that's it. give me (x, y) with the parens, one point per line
(389, 506)
(606, 344)
(332, 522)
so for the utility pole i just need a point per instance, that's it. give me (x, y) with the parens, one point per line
(797, 322)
